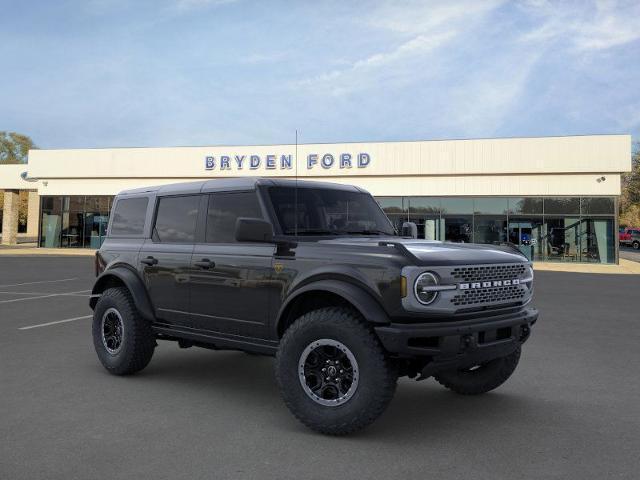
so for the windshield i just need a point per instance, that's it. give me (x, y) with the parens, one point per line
(324, 211)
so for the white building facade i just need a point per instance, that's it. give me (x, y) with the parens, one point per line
(553, 197)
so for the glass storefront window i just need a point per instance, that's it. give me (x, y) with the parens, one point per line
(424, 206)
(395, 209)
(492, 230)
(597, 240)
(562, 206)
(425, 213)
(561, 238)
(490, 206)
(51, 222)
(526, 234)
(457, 206)
(74, 221)
(597, 206)
(525, 206)
(458, 228)
(568, 229)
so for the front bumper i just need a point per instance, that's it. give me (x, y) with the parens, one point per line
(458, 344)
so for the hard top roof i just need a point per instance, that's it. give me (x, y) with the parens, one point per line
(230, 184)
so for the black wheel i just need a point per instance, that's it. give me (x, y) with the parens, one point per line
(123, 340)
(332, 372)
(480, 378)
(636, 245)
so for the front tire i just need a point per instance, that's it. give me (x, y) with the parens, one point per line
(122, 339)
(636, 245)
(332, 372)
(481, 378)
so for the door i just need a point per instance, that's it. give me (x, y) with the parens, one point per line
(165, 258)
(231, 281)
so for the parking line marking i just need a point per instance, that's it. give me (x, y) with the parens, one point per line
(43, 296)
(55, 323)
(41, 281)
(42, 293)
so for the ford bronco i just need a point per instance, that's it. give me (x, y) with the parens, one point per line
(316, 275)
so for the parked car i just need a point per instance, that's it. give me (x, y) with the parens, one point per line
(630, 237)
(315, 275)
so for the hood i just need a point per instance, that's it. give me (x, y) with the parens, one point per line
(430, 252)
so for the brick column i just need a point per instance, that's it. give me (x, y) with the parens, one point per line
(33, 213)
(10, 217)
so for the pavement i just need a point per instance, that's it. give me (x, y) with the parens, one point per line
(570, 411)
(630, 254)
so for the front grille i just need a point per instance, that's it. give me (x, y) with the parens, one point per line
(488, 272)
(489, 295)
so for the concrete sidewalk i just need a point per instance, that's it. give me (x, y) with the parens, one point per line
(626, 267)
(31, 250)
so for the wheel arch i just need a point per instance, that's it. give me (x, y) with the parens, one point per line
(121, 276)
(326, 293)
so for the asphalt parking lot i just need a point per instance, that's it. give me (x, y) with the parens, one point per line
(570, 411)
(630, 253)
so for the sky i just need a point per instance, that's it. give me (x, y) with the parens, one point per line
(115, 73)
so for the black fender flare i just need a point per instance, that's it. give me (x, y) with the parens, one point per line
(134, 284)
(357, 296)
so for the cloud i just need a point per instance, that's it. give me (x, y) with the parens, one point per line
(605, 25)
(419, 29)
(361, 73)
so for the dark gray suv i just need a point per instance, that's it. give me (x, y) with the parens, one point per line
(315, 274)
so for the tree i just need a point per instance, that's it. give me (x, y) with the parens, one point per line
(630, 198)
(14, 147)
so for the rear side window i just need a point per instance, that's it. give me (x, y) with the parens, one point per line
(128, 216)
(176, 219)
(224, 210)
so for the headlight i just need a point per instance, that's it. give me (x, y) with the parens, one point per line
(425, 288)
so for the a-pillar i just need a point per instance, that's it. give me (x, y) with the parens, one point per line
(33, 214)
(10, 217)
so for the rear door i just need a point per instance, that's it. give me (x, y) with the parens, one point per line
(231, 281)
(165, 258)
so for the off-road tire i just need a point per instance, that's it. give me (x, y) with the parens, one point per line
(377, 374)
(485, 378)
(138, 340)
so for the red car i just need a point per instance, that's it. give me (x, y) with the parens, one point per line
(629, 237)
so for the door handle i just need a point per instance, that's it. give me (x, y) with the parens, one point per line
(205, 263)
(149, 260)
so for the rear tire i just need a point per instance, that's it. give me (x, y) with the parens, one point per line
(636, 245)
(122, 339)
(480, 379)
(361, 379)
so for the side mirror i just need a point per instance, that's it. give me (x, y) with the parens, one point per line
(409, 229)
(253, 230)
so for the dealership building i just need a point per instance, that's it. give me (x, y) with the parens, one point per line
(555, 198)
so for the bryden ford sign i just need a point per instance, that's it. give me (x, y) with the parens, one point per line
(286, 162)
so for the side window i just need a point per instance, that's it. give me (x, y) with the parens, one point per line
(224, 210)
(176, 219)
(128, 216)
